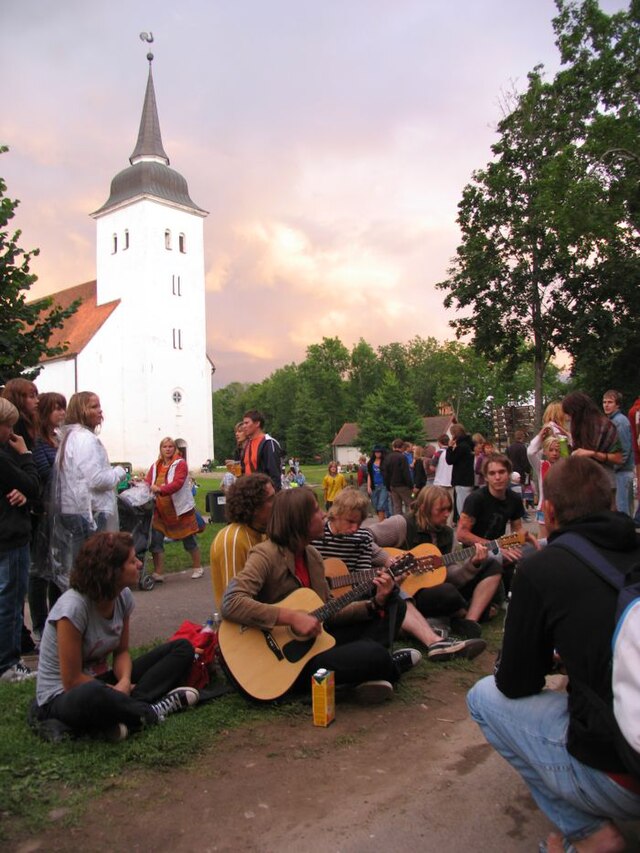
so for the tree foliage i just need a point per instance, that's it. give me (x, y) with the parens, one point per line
(25, 327)
(549, 251)
(382, 390)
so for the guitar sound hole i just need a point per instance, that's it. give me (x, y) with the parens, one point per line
(294, 650)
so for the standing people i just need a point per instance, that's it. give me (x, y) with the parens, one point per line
(611, 402)
(550, 456)
(83, 488)
(593, 434)
(517, 453)
(563, 744)
(460, 457)
(89, 626)
(261, 453)
(24, 396)
(397, 477)
(43, 592)
(375, 483)
(441, 468)
(634, 422)
(332, 484)
(174, 514)
(19, 484)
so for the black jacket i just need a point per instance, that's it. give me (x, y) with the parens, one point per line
(17, 471)
(461, 459)
(559, 603)
(396, 471)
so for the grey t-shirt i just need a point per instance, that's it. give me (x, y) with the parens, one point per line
(100, 636)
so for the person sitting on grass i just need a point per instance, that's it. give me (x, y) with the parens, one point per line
(344, 537)
(287, 562)
(90, 624)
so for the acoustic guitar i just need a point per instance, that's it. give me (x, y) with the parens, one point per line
(265, 663)
(431, 571)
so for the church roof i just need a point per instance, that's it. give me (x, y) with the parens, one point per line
(83, 325)
(149, 175)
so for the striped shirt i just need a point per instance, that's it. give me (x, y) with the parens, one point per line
(357, 550)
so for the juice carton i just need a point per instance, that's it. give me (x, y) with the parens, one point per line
(323, 695)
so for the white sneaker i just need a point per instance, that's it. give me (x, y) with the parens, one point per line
(373, 692)
(17, 672)
(197, 573)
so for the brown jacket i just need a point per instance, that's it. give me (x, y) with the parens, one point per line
(267, 577)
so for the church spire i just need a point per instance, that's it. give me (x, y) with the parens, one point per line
(149, 144)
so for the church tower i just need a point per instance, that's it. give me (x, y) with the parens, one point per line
(152, 371)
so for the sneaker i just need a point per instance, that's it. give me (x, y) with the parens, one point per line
(176, 700)
(406, 659)
(373, 692)
(17, 672)
(157, 578)
(466, 628)
(197, 573)
(115, 733)
(453, 648)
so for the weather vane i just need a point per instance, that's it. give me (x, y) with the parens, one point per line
(148, 37)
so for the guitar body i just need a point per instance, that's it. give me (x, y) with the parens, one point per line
(266, 663)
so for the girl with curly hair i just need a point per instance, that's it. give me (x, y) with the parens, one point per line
(88, 628)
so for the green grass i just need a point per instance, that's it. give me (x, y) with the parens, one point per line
(37, 777)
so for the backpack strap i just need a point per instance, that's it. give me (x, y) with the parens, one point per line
(585, 551)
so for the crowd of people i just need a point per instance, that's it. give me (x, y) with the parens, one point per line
(429, 545)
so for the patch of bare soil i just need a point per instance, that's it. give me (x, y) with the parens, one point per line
(412, 774)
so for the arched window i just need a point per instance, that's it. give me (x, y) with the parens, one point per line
(182, 243)
(126, 238)
(167, 239)
(114, 245)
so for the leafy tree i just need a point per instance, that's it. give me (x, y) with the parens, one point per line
(228, 408)
(365, 374)
(388, 413)
(540, 226)
(306, 436)
(324, 371)
(25, 327)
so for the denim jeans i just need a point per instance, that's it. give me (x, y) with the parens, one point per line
(531, 734)
(462, 493)
(14, 576)
(624, 492)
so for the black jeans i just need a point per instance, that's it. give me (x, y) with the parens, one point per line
(93, 706)
(359, 654)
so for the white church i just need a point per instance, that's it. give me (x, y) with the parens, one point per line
(138, 339)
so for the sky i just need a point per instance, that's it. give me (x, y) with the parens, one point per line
(330, 143)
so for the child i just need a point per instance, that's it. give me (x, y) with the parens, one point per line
(550, 455)
(332, 485)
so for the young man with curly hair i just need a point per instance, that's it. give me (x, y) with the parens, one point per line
(249, 502)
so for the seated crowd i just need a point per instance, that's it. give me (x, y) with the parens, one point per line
(301, 590)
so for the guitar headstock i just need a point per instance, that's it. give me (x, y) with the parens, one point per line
(510, 539)
(402, 565)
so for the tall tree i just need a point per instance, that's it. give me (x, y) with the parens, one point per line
(388, 413)
(324, 371)
(539, 221)
(306, 436)
(25, 327)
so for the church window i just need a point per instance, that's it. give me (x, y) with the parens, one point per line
(177, 338)
(167, 239)
(176, 287)
(126, 238)
(182, 243)
(114, 245)
(176, 397)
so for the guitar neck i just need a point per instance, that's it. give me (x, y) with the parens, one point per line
(463, 554)
(335, 605)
